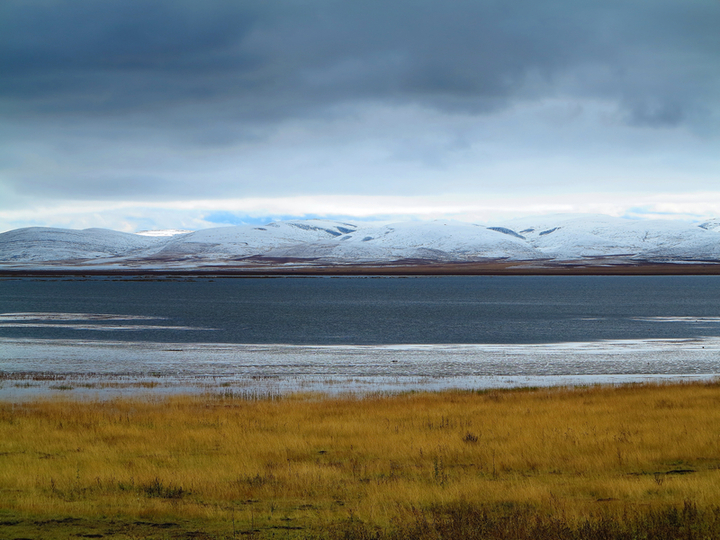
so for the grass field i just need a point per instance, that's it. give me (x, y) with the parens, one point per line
(599, 462)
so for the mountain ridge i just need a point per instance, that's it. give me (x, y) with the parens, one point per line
(542, 241)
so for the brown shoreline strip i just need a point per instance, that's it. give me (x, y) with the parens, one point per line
(418, 268)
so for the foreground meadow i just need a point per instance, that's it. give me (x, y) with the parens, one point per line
(605, 462)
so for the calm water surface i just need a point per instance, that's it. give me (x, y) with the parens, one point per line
(363, 311)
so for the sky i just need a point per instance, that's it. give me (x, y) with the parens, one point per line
(153, 114)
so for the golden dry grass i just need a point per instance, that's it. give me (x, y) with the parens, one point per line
(309, 460)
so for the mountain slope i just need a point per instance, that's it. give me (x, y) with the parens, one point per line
(42, 244)
(573, 238)
(539, 240)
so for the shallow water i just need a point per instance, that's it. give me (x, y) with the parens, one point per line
(115, 368)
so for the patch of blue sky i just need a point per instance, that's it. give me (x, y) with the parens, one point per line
(645, 212)
(232, 218)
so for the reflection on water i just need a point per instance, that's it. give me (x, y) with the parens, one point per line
(86, 321)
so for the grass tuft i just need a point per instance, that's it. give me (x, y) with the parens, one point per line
(157, 488)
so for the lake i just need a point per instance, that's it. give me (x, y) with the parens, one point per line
(335, 334)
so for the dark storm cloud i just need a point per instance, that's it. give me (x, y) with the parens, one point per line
(104, 55)
(659, 59)
(174, 100)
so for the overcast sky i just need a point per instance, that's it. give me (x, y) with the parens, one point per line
(139, 114)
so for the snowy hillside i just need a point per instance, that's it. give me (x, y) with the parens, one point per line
(578, 237)
(41, 244)
(434, 240)
(546, 240)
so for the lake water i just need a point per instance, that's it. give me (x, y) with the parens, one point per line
(273, 335)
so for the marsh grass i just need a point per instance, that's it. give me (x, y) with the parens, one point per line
(420, 465)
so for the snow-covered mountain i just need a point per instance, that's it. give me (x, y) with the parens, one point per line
(546, 240)
(42, 244)
(579, 237)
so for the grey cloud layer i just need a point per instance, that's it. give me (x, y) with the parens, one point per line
(660, 59)
(177, 99)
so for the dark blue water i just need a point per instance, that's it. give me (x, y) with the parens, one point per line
(332, 311)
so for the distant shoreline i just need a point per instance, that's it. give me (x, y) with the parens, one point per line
(417, 268)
